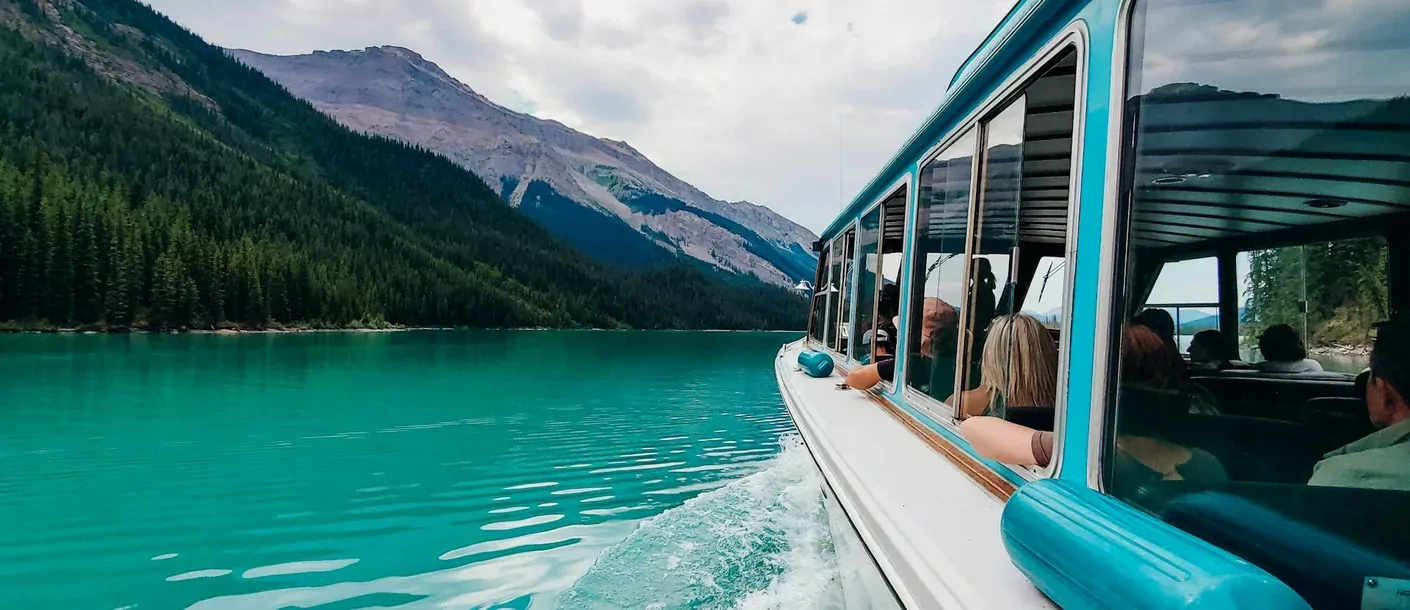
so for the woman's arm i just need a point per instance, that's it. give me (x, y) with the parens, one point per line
(1008, 442)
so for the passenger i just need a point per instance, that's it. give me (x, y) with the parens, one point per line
(1019, 367)
(887, 307)
(932, 366)
(1209, 352)
(985, 287)
(883, 345)
(1160, 321)
(1381, 460)
(866, 377)
(1142, 453)
(938, 329)
(1283, 352)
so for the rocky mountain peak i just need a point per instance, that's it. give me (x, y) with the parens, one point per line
(394, 91)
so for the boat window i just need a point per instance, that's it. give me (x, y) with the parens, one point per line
(817, 311)
(840, 292)
(1009, 357)
(867, 261)
(1312, 289)
(1274, 134)
(1188, 293)
(879, 240)
(888, 300)
(938, 280)
(993, 253)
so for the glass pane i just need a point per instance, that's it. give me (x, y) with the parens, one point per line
(817, 320)
(868, 243)
(991, 286)
(888, 305)
(942, 218)
(1330, 294)
(1044, 299)
(1280, 127)
(843, 319)
(832, 292)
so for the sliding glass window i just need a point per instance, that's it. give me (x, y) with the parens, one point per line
(938, 276)
(868, 262)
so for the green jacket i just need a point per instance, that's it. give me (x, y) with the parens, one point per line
(1380, 460)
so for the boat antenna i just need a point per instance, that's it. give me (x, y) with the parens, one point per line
(1053, 268)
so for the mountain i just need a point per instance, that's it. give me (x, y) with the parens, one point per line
(148, 179)
(601, 195)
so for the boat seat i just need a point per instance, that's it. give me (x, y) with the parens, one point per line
(1324, 542)
(1342, 419)
(1254, 448)
(1274, 396)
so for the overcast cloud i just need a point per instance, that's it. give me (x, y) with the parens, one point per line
(788, 104)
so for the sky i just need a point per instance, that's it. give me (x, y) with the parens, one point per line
(793, 104)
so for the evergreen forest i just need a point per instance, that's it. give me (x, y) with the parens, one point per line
(148, 180)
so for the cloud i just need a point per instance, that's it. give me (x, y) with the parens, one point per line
(800, 18)
(730, 95)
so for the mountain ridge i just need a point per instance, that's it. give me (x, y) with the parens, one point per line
(149, 180)
(396, 92)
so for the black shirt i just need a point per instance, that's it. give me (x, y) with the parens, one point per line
(886, 368)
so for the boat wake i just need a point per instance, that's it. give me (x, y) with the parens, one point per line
(759, 542)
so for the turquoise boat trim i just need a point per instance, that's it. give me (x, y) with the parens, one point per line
(1004, 471)
(1088, 550)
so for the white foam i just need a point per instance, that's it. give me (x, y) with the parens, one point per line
(759, 542)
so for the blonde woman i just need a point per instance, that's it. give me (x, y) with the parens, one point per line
(1019, 367)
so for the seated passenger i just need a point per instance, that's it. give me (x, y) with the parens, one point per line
(883, 347)
(1209, 352)
(937, 334)
(1283, 352)
(1019, 368)
(932, 363)
(1160, 321)
(1381, 460)
(1142, 453)
(866, 377)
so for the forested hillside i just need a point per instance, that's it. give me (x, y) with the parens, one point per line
(149, 180)
(1343, 284)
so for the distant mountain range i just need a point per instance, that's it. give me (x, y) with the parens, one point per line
(603, 196)
(148, 180)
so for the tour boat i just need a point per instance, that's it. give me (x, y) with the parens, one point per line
(1238, 165)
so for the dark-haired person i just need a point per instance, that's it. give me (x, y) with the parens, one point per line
(1209, 352)
(1159, 321)
(1163, 325)
(1380, 460)
(1283, 352)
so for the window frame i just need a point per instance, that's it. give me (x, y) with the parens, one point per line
(1117, 218)
(937, 410)
(902, 185)
(845, 297)
(1074, 36)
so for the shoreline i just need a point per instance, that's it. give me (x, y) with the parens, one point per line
(230, 332)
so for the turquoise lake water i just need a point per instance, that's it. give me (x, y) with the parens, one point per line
(409, 470)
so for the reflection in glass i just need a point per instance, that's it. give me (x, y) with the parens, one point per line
(1281, 127)
(942, 218)
(868, 242)
(831, 292)
(843, 287)
(995, 237)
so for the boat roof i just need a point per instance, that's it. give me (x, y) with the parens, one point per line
(1027, 24)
